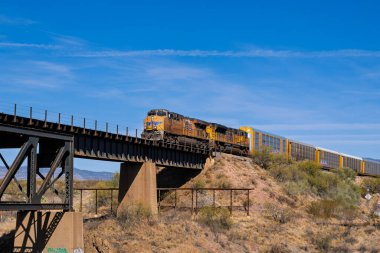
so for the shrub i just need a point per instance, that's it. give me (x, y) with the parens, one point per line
(222, 182)
(278, 248)
(323, 208)
(263, 158)
(133, 214)
(199, 183)
(215, 218)
(371, 184)
(322, 242)
(103, 195)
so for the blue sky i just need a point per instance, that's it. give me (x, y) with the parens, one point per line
(307, 70)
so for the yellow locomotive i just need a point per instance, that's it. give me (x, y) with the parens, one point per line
(161, 124)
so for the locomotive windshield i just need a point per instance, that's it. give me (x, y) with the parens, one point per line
(158, 113)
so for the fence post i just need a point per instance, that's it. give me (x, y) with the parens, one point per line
(159, 200)
(175, 199)
(96, 201)
(213, 198)
(192, 201)
(248, 203)
(231, 201)
(111, 199)
(80, 200)
(196, 201)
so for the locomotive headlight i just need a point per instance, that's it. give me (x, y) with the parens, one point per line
(152, 118)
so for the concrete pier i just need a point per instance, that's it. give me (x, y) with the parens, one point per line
(138, 186)
(49, 231)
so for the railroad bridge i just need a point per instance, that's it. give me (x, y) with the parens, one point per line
(53, 146)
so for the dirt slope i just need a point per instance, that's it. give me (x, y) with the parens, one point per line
(277, 222)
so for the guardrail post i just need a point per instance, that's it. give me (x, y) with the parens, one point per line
(14, 112)
(30, 115)
(45, 123)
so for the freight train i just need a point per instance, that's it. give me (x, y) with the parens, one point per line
(174, 128)
(161, 124)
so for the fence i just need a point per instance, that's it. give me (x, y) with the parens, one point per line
(193, 199)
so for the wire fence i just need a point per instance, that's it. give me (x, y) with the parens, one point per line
(105, 200)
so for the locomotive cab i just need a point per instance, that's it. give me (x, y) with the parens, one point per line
(154, 124)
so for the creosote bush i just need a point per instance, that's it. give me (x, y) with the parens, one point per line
(371, 184)
(215, 217)
(199, 183)
(133, 214)
(338, 193)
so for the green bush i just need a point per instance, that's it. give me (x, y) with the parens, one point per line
(371, 184)
(199, 183)
(215, 218)
(263, 158)
(324, 208)
(133, 214)
(104, 196)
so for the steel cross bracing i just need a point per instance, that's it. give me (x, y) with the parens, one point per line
(40, 149)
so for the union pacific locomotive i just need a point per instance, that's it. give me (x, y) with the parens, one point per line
(161, 124)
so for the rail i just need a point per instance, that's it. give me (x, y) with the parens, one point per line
(193, 199)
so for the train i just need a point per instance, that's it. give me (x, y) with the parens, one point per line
(174, 128)
(296, 150)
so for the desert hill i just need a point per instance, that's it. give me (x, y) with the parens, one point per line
(294, 207)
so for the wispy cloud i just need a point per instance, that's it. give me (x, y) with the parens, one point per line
(15, 21)
(318, 127)
(35, 74)
(258, 53)
(28, 45)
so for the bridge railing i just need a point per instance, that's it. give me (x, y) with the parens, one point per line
(101, 201)
(33, 113)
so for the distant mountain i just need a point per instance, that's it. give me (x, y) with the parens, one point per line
(376, 160)
(78, 174)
